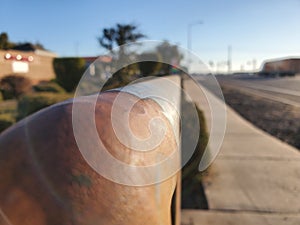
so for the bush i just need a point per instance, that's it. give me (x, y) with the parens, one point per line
(149, 68)
(191, 167)
(32, 103)
(69, 72)
(13, 86)
(6, 120)
(192, 195)
(48, 87)
(1, 97)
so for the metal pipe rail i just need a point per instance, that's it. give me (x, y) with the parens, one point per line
(53, 170)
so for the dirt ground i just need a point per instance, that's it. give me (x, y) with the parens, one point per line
(277, 119)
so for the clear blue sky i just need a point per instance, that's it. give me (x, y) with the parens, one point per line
(256, 29)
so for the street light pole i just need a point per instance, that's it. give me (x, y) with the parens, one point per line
(189, 33)
(189, 36)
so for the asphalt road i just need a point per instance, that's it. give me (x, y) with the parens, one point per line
(284, 90)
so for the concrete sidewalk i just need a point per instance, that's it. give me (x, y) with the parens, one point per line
(254, 180)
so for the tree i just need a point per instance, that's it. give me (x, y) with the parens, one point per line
(69, 72)
(150, 68)
(4, 43)
(169, 53)
(38, 45)
(119, 35)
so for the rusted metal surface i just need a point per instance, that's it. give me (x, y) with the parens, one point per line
(45, 179)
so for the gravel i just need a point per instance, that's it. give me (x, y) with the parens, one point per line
(277, 119)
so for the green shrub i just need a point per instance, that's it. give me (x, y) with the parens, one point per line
(13, 86)
(192, 195)
(69, 72)
(149, 68)
(32, 103)
(191, 167)
(1, 97)
(6, 120)
(8, 107)
(48, 87)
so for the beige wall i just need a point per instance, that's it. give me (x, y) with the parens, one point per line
(41, 68)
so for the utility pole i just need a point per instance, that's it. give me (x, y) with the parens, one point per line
(229, 59)
(254, 65)
(189, 38)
